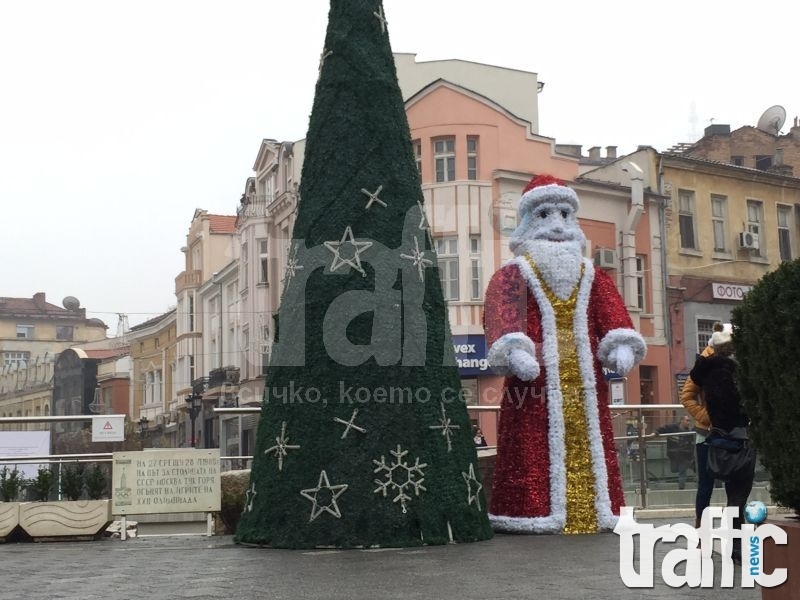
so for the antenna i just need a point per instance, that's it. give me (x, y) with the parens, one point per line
(772, 120)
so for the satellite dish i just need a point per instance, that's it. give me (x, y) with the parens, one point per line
(71, 303)
(772, 120)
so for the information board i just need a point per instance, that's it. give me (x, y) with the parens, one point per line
(165, 481)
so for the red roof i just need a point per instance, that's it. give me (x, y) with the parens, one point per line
(104, 353)
(222, 223)
(35, 307)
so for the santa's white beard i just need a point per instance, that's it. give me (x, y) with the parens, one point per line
(559, 263)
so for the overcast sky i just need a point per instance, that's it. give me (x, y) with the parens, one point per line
(119, 119)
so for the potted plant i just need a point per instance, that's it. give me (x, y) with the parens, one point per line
(73, 481)
(42, 486)
(96, 482)
(10, 484)
(72, 518)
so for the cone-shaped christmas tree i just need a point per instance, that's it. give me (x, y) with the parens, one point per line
(364, 438)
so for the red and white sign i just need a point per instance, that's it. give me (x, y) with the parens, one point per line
(108, 428)
(729, 291)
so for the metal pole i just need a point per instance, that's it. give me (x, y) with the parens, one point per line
(642, 460)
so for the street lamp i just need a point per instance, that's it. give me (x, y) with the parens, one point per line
(142, 426)
(193, 404)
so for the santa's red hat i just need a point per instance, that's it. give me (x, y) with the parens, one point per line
(546, 189)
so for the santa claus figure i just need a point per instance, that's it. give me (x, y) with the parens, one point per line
(552, 322)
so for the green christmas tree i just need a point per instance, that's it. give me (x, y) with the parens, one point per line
(364, 438)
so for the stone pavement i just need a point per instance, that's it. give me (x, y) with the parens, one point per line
(197, 567)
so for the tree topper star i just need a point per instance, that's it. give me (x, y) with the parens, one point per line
(355, 260)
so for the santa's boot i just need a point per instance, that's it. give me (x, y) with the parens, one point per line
(697, 522)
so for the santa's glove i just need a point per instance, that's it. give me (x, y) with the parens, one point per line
(523, 365)
(621, 358)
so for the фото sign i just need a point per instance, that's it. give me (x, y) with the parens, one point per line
(729, 291)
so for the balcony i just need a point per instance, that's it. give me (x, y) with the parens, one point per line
(254, 207)
(222, 382)
(188, 280)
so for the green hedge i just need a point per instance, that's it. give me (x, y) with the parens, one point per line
(766, 335)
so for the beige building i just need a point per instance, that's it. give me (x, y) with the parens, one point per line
(32, 334)
(153, 401)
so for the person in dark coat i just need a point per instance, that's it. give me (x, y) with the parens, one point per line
(716, 375)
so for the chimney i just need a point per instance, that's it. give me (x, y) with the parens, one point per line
(594, 153)
(611, 152)
(39, 300)
(717, 130)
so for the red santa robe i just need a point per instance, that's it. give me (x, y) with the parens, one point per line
(529, 492)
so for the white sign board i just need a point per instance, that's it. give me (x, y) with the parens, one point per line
(617, 388)
(165, 481)
(21, 444)
(729, 291)
(108, 428)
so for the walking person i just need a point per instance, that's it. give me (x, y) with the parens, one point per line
(716, 375)
(693, 401)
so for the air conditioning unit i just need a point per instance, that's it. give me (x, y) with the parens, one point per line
(748, 240)
(605, 258)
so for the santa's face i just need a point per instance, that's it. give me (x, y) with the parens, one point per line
(553, 222)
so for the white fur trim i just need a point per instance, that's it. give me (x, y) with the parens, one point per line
(548, 524)
(545, 194)
(498, 356)
(619, 337)
(554, 522)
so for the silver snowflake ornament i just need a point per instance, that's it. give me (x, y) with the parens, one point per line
(281, 447)
(418, 259)
(446, 427)
(400, 478)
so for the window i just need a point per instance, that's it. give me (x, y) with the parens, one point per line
(475, 267)
(763, 162)
(64, 332)
(755, 212)
(191, 369)
(737, 160)
(417, 145)
(718, 205)
(640, 271)
(686, 218)
(447, 249)
(246, 352)
(444, 157)
(243, 274)
(263, 256)
(472, 157)
(16, 359)
(190, 311)
(148, 387)
(25, 332)
(784, 237)
(705, 327)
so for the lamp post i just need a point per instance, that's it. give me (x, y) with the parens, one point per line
(142, 426)
(193, 404)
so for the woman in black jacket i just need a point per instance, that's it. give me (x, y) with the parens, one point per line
(716, 375)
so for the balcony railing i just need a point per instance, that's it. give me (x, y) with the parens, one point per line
(254, 207)
(188, 279)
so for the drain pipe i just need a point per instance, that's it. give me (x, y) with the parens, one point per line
(629, 272)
